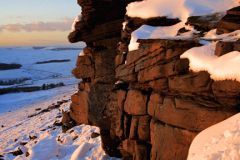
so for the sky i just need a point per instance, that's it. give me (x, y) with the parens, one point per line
(37, 23)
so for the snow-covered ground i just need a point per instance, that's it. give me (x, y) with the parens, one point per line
(38, 74)
(50, 143)
(27, 57)
(16, 124)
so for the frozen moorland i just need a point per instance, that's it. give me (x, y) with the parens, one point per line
(21, 121)
(50, 142)
(37, 74)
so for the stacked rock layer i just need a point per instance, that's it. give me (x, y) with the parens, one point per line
(159, 105)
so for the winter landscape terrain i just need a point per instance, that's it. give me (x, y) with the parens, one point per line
(219, 142)
(19, 111)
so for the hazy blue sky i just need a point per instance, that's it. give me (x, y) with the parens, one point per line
(31, 22)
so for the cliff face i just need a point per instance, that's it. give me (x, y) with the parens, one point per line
(160, 105)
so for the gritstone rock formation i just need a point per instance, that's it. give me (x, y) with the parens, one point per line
(159, 105)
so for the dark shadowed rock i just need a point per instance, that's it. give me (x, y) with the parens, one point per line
(191, 83)
(135, 103)
(32, 137)
(144, 128)
(94, 135)
(66, 123)
(206, 22)
(141, 151)
(226, 47)
(23, 143)
(134, 128)
(230, 22)
(17, 152)
(227, 92)
(43, 111)
(129, 146)
(187, 114)
(169, 142)
(53, 106)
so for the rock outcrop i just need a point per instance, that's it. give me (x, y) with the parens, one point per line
(230, 22)
(158, 105)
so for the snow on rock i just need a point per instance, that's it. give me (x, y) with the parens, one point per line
(233, 36)
(81, 53)
(220, 68)
(77, 19)
(151, 32)
(169, 8)
(182, 9)
(119, 82)
(124, 25)
(218, 142)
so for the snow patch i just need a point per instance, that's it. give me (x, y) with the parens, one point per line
(77, 19)
(169, 8)
(224, 67)
(182, 9)
(218, 142)
(81, 53)
(124, 25)
(151, 32)
(119, 82)
(226, 36)
(45, 149)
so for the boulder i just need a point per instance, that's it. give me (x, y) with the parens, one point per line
(196, 83)
(126, 125)
(187, 113)
(226, 47)
(205, 22)
(66, 122)
(169, 142)
(129, 146)
(227, 92)
(159, 85)
(144, 128)
(135, 103)
(141, 152)
(134, 128)
(161, 71)
(230, 22)
(79, 107)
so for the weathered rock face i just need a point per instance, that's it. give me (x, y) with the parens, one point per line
(100, 20)
(230, 22)
(180, 103)
(206, 22)
(161, 105)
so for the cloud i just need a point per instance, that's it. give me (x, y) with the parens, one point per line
(15, 17)
(39, 26)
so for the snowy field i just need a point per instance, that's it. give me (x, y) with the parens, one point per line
(50, 143)
(219, 142)
(16, 124)
(38, 74)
